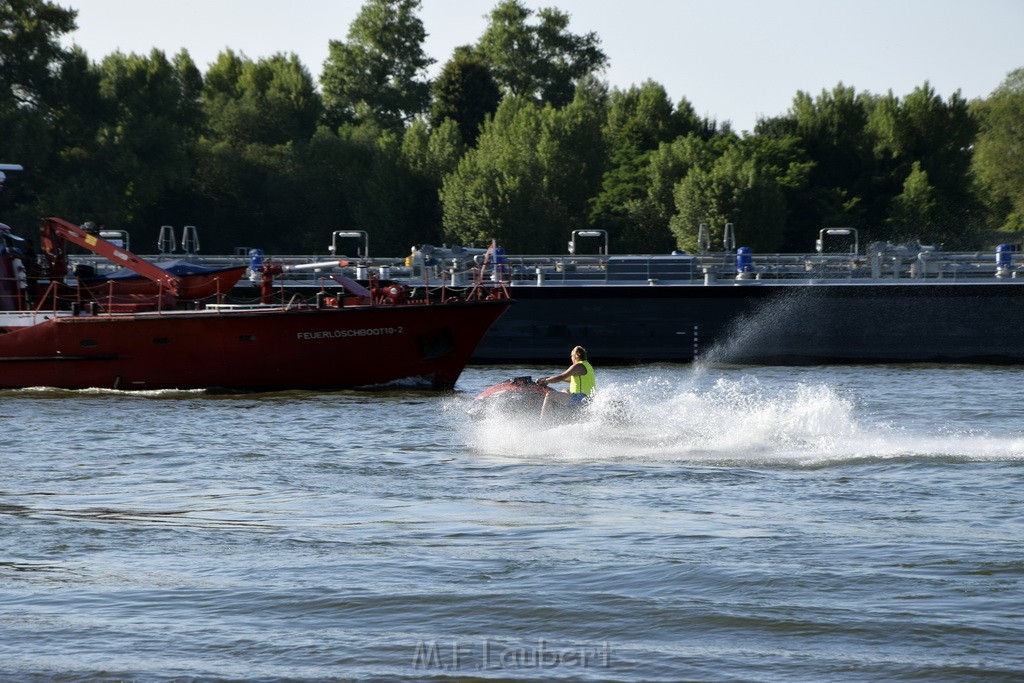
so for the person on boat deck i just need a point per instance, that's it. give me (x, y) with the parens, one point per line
(579, 375)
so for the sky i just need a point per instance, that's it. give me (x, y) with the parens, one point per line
(732, 60)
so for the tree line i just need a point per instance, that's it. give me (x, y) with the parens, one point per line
(517, 139)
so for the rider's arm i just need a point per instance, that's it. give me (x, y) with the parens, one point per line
(573, 370)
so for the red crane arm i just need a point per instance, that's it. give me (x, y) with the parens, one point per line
(55, 231)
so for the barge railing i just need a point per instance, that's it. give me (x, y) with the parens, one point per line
(652, 269)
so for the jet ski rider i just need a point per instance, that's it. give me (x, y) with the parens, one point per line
(579, 375)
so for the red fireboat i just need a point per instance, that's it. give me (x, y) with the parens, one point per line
(57, 334)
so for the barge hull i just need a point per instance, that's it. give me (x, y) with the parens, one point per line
(764, 323)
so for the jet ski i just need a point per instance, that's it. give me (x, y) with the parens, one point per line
(517, 396)
(514, 396)
(522, 398)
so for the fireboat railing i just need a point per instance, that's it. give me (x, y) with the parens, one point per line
(111, 298)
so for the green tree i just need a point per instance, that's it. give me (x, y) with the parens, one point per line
(465, 92)
(325, 175)
(387, 196)
(922, 139)
(435, 151)
(378, 73)
(271, 101)
(143, 154)
(31, 61)
(574, 156)
(74, 179)
(672, 161)
(527, 181)
(639, 119)
(30, 51)
(915, 209)
(543, 61)
(254, 195)
(743, 186)
(255, 176)
(428, 154)
(842, 185)
(998, 162)
(647, 217)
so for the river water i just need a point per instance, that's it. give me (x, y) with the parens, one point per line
(719, 523)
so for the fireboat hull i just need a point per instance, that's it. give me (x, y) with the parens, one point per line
(260, 349)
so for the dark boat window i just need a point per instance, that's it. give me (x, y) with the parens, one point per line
(247, 337)
(88, 343)
(161, 340)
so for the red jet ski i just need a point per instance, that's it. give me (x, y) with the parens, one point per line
(517, 395)
(521, 396)
(514, 397)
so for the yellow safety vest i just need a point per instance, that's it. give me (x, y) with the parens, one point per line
(583, 384)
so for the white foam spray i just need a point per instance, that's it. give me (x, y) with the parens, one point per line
(734, 421)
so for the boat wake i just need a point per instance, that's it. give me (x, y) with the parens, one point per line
(54, 392)
(732, 422)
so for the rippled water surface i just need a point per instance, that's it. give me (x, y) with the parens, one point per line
(722, 523)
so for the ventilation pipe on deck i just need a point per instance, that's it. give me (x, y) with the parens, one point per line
(364, 253)
(588, 233)
(703, 238)
(165, 242)
(190, 240)
(919, 269)
(729, 237)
